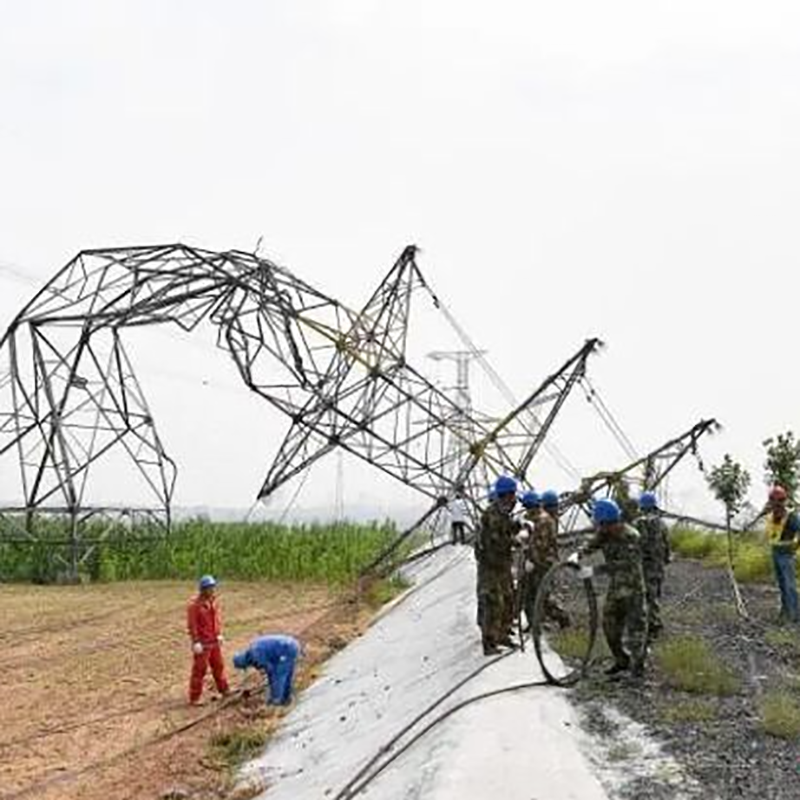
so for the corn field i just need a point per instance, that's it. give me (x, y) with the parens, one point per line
(332, 553)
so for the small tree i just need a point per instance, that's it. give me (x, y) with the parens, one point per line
(782, 466)
(729, 481)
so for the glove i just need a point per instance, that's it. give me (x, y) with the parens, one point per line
(528, 566)
(574, 559)
(197, 648)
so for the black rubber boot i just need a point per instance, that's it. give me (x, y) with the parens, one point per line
(618, 666)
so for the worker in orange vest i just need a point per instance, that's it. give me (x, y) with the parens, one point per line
(205, 630)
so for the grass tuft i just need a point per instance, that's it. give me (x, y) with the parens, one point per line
(237, 746)
(689, 664)
(780, 715)
(691, 710)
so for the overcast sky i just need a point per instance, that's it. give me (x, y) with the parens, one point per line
(623, 169)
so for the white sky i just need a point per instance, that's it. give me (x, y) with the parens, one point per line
(623, 169)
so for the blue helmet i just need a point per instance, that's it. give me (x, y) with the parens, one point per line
(550, 499)
(648, 501)
(606, 511)
(505, 485)
(242, 660)
(207, 582)
(531, 500)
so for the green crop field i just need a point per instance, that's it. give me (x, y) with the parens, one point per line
(332, 553)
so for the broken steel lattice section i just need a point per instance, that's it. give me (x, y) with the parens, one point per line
(69, 397)
(647, 473)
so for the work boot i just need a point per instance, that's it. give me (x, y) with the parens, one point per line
(617, 667)
(637, 670)
(490, 647)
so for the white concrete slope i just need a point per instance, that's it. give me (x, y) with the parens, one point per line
(520, 746)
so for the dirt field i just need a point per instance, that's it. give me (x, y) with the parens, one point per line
(93, 695)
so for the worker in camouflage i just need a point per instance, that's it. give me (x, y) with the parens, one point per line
(655, 556)
(493, 551)
(624, 610)
(541, 552)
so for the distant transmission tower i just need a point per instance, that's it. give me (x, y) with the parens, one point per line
(461, 420)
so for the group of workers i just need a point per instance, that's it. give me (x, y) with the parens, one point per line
(635, 556)
(274, 655)
(635, 549)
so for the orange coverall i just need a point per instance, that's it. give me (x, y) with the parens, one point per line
(205, 626)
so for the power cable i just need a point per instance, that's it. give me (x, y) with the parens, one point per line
(558, 456)
(608, 419)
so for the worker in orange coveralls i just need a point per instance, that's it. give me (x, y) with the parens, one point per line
(205, 629)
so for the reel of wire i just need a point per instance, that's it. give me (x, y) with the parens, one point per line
(566, 589)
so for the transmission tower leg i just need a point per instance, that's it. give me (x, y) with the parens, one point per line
(74, 547)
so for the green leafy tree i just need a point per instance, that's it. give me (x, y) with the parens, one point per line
(782, 466)
(729, 482)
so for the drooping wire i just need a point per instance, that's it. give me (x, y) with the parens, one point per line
(556, 454)
(608, 419)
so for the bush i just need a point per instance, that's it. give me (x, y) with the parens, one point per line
(691, 543)
(689, 664)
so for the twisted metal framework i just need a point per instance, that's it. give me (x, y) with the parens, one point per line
(70, 400)
(647, 473)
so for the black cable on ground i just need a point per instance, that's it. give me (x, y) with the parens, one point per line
(355, 787)
(347, 790)
(539, 616)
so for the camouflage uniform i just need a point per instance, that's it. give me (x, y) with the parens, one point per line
(655, 555)
(625, 604)
(493, 551)
(542, 552)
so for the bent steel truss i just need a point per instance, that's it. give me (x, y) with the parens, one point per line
(69, 396)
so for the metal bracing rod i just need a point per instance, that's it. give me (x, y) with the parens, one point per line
(479, 448)
(574, 369)
(684, 443)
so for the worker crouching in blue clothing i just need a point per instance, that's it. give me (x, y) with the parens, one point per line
(275, 656)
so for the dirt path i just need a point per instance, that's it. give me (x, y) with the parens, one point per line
(93, 675)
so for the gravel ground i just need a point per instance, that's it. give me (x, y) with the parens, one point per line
(728, 755)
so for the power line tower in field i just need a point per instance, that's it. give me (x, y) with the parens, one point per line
(461, 421)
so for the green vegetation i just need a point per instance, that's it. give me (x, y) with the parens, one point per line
(692, 543)
(782, 466)
(780, 715)
(783, 638)
(691, 710)
(751, 556)
(572, 643)
(689, 664)
(237, 551)
(237, 746)
(623, 751)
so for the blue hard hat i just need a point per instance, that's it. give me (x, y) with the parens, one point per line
(207, 582)
(241, 660)
(531, 500)
(505, 485)
(648, 501)
(606, 511)
(549, 498)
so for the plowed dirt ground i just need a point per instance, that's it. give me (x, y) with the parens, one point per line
(93, 689)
